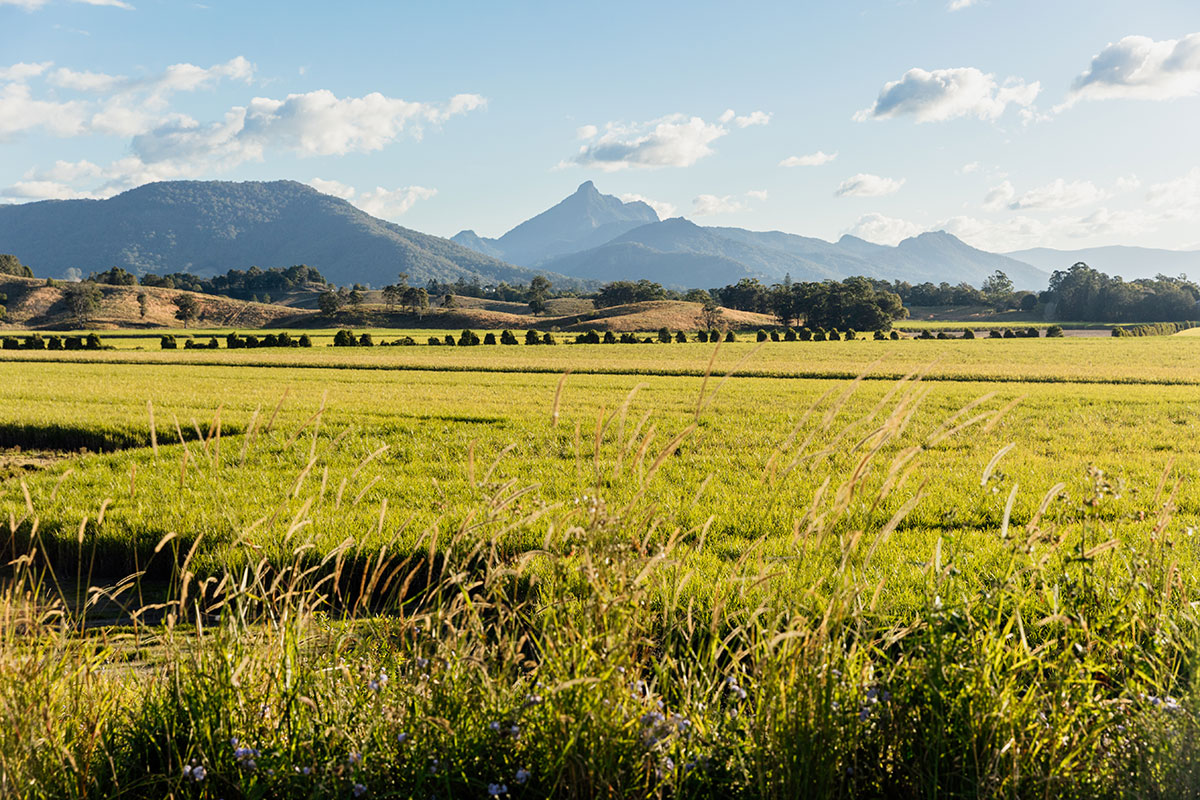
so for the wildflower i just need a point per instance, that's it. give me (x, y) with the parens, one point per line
(864, 714)
(533, 699)
(422, 663)
(522, 776)
(497, 789)
(356, 758)
(514, 731)
(359, 790)
(495, 726)
(376, 684)
(401, 737)
(195, 772)
(732, 685)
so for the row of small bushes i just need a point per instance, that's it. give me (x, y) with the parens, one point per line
(236, 342)
(817, 335)
(1053, 332)
(1155, 329)
(34, 341)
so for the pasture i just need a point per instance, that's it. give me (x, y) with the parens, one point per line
(848, 568)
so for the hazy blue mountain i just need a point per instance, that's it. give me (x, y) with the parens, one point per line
(208, 227)
(1128, 262)
(632, 261)
(584, 220)
(939, 256)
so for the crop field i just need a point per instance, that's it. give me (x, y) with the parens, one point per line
(877, 569)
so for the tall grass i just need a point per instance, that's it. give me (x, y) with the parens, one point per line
(599, 664)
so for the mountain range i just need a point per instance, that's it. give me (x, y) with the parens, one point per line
(209, 227)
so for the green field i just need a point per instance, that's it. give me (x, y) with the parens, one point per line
(969, 573)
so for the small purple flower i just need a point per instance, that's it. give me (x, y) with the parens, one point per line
(522, 776)
(359, 790)
(497, 789)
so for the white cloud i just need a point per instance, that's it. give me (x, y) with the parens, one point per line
(867, 185)
(33, 5)
(1140, 68)
(968, 169)
(883, 230)
(110, 3)
(945, 94)
(41, 190)
(378, 202)
(811, 160)
(313, 124)
(999, 197)
(663, 209)
(1060, 194)
(959, 5)
(585, 132)
(84, 81)
(23, 71)
(675, 140)
(20, 112)
(707, 204)
(1178, 196)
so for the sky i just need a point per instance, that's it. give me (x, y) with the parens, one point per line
(1009, 123)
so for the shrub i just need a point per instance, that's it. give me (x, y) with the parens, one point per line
(943, 335)
(34, 341)
(74, 342)
(851, 336)
(10, 343)
(1008, 333)
(968, 334)
(489, 338)
(284, 339)
(818, 335)
(774, 336)
(93, 342)
(434, 341)
(714, 336)
(702, 336)
(804, 334)
(408, 341)
(468, 339)
(926, 334)
(789, 334)
(880, 336)
(507, 337)
(762, 335)
(729, 337)
(251, 341)
(366, 340)
(681, 337)
(834, 336)
(664, 335)
(234, 342)
(591, 337)
(1033, 333)
(213, 344)
(548, 339)
(531, 337)
(56, 343)
(1054, 332)
(449, 339)
(343, 338)
(628, 338)
(894, 336)
(305, 341)
(610, 337)
(995, 334)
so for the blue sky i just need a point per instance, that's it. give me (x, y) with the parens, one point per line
(1011, 123)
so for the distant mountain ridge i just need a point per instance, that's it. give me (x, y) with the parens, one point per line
(593, 236)
(581, 221)
(1130, 263)
(209, 227)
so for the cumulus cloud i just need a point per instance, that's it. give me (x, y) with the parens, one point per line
(708, 204)
(1140, 68)
(585, 132)
(675, 140)
(959, 5)
(378, 202)
(672, 141)
(811, 160)
(42, 190)
(999, 197)
(20, 112)
(84, 81)
(663, 209)
(316, 123)
(867, 185)
(23, 71)
(1060, 194)
(884, 230)
(945, 94)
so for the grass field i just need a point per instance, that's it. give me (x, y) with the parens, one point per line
(415, 571)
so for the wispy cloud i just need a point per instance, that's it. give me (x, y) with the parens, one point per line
(811, 160)
(867, 185)
(675, 140)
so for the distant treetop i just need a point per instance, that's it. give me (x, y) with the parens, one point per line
(11, 265)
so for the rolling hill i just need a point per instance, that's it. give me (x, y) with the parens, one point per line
(208, 227)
